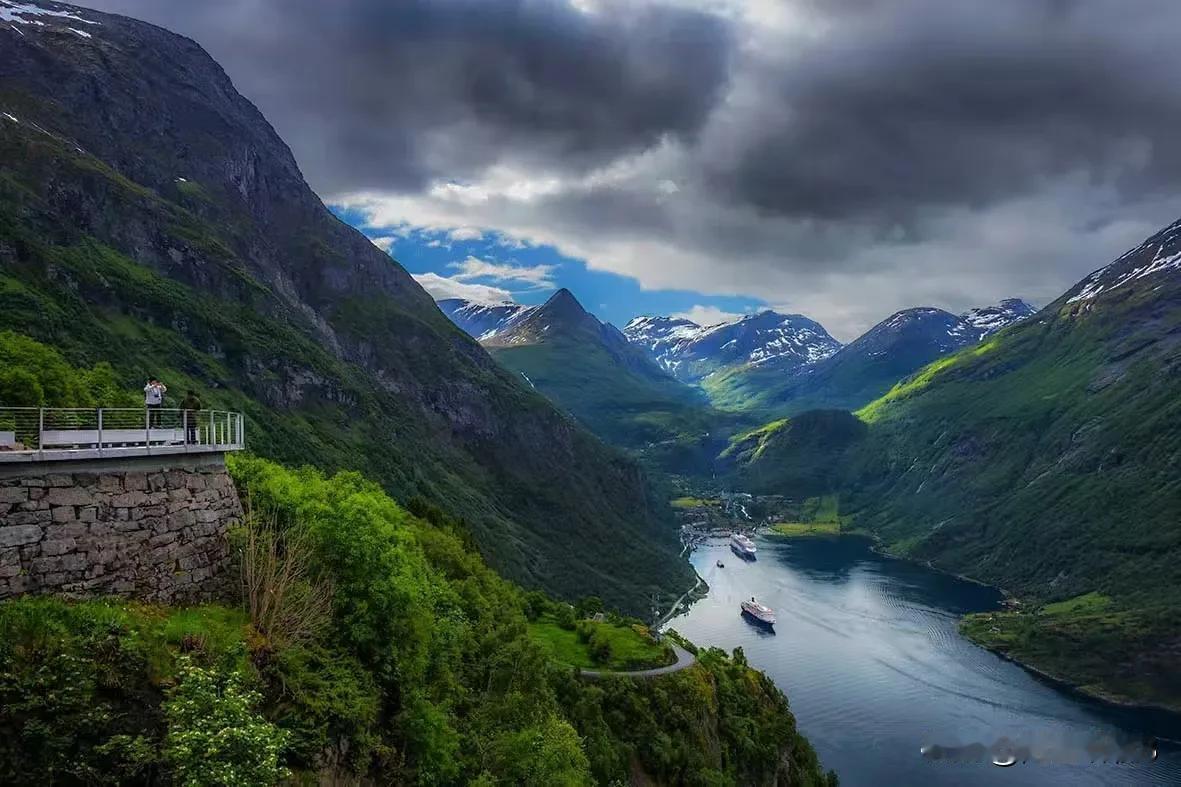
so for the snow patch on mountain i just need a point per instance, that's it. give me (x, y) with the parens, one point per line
(482, 320)
(16, 13)
(983, 321)
(1165, 257)
(691, 351)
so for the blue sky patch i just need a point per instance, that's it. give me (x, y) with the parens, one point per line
(481, 265)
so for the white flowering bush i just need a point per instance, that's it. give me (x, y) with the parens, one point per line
(215, 737)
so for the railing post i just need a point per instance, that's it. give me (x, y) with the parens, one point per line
(148, 429)
(41, 432)
(100, 433)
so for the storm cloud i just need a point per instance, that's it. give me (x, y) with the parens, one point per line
(380, 94)
(842, 158)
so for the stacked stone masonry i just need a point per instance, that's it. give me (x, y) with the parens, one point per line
(158, 534)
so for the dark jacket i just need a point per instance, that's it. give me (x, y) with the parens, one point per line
(190, 402)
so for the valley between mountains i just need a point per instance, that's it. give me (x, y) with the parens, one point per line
(1031, 449)
(479, 500)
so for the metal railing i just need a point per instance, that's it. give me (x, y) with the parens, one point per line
(32, 433)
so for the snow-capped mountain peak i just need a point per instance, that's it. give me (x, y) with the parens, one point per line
(483, 320)
(987, 320)
(691, 351)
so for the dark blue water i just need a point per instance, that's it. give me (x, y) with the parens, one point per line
(867, 651)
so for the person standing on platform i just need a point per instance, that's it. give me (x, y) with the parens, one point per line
(191, 404)
(154, 399)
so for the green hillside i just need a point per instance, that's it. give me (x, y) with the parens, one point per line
(805, 454)
(621, 406)
(191, 249)
(588, 369)
(1046, 461)
(421, 670)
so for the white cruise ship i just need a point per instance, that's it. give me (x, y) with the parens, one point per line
(742, 546)
(760, 613)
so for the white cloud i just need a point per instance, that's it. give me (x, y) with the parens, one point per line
(441, 287)
(465, 233)
(538, 276)
(840, 274)
(384, 242)
(708, 315)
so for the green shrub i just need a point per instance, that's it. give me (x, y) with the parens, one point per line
(37, 375)
(600, 645)
(545, 754)
(588, 606)
(328, 703)
(564, 616)
(19, 388)
(536, 605)
(215, 735)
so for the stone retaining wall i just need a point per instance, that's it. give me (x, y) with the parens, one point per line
(152, 529)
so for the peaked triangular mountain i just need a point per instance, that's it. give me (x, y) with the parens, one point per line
(589, 368)
(563, 317)
(865, 368)
(152, 218)
(482, 320)
(691, 352)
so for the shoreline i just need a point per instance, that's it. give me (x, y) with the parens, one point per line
(1009, 598)
(1073, 688)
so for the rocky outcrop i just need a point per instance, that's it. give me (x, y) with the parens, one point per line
(148, 530)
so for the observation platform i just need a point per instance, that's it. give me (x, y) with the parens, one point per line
(55, 434)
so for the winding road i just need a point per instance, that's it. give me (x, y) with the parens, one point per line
(685, 659)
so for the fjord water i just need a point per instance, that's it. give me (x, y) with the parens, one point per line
(867, 650)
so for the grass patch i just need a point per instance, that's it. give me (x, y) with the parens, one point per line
(921, 380)
(606, 645)
(825, 508)
(806, 529)
(1086, 604)
(692, 502)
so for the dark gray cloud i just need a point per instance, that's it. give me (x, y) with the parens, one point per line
(842, 158)
(907, 104)
(385, 94)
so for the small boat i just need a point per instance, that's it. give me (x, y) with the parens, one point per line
(759, 613)
(721, 564)
(743, 546)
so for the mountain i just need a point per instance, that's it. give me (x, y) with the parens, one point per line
(481, 320)
(589, 368)
(151, 218)
(984, 321)
(691, 352)
(1046, 460)
(865, 368)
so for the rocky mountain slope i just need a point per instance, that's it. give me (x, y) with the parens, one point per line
(691, 352)
(152, 218)
(865, 368)
(480, 320)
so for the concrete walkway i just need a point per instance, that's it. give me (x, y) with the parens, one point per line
(685, 659)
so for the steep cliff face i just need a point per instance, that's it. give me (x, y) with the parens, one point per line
(150, 216)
